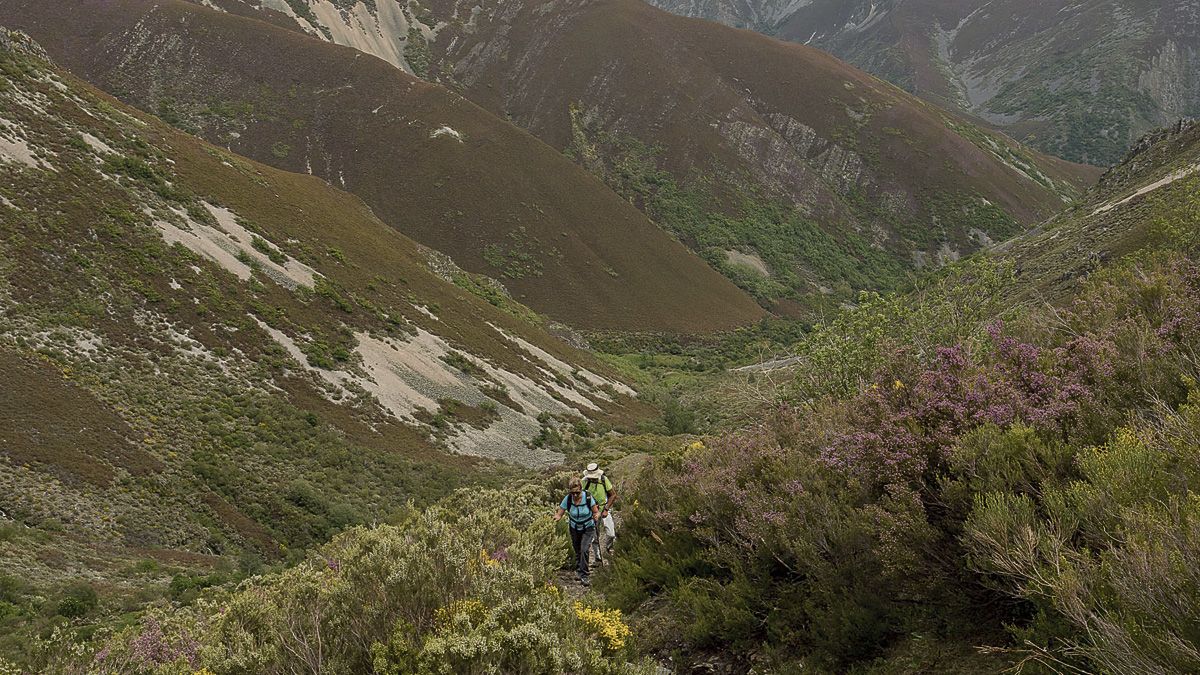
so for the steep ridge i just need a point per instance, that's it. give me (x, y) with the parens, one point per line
(203, 355)
(791, 172)
(1081, 80)
(1153, 195)
(430, 164)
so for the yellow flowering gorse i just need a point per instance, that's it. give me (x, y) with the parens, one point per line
(468, 607)
(607, 623)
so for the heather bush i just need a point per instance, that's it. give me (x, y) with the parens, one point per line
(993, 469)
(465, 586)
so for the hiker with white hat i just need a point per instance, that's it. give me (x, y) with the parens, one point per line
(601, 488)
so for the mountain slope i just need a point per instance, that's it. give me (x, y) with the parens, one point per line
(427, 162)
(1151, 197)
(204, 356)
(791, 172)
(1082, 80)
(1019, 475)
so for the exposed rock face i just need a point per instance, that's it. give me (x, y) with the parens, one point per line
(19, 43)
(1081, 80)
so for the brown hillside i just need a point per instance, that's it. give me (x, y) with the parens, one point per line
(203, 354)
(430, 164)
(688, 84)
(856, 155)
(873, 181)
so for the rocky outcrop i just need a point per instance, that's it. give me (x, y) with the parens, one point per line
(20, 43)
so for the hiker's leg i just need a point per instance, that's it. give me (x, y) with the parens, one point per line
(597, 547)
(588, 536)
(577, 544)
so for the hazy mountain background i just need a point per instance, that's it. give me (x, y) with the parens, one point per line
(1080, 80)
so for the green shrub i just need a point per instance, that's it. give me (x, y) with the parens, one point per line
(465, 586)
(78, 600)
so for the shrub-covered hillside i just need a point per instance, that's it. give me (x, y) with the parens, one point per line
(795, 175)
(963, 479)
(955, 480)
(465, 586)
(430, 164)
(209, 365)
(237, 413)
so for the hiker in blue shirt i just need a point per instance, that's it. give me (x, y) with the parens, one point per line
(583, 513)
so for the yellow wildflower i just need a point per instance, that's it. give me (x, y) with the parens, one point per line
(606, 623)
(696, 446)
(897, 385)
(487, 560)
(469, 607)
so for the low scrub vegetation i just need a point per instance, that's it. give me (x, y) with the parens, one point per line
(465, 586)
(1026, 484)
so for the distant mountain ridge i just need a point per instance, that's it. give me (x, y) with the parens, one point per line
(1081, 80)
(792, 173)
(428, 163)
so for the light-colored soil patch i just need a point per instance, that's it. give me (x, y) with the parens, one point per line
(427, 312)
(564, 368)
(501, 440)
(231, 247)
(97, 144)
(748, 260)
(16, 150)
(446, 131)
(406, 376)
(395, 369)
(290, 274)
(1163, 182)
(379, 33)
(204, 246)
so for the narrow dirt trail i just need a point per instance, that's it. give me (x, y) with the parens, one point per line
(1163, 182)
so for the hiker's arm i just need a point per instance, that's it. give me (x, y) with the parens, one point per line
(608, 505)
(596, 512)
(558, 513)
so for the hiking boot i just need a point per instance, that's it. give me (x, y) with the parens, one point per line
(585, 582)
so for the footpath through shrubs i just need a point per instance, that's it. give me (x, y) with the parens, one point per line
(465, 586)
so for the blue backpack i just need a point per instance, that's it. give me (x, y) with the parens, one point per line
(588, 502)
